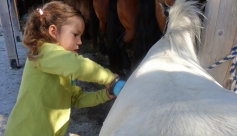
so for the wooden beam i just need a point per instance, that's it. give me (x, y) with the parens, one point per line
(15, 20)
(218, 37)
(16, 13)
(0, 22)
(8, 34)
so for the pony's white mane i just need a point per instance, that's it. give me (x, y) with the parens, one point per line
(184, 24)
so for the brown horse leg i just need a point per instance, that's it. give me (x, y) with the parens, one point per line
(125, 58)
(102, 46)
(100, 8)
(127, 12)
(102, 29)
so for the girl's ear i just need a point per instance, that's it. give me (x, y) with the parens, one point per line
(53, 31)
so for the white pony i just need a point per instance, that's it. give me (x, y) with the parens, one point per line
(169, 93)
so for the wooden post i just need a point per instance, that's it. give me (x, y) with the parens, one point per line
(8, 34)
(218, 37)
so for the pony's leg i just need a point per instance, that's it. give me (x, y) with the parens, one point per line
(125, 58)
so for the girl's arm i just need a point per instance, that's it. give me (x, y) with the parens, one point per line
(82, 99)
(54, 59)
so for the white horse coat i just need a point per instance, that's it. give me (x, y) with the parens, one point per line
(170, 93)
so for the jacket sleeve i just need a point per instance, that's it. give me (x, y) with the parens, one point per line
(66, 63)
(82, 99)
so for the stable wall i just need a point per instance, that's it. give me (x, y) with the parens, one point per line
(218, 37)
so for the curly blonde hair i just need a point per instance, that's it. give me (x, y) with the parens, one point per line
(36, 28)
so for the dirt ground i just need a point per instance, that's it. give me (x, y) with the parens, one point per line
(83, 122)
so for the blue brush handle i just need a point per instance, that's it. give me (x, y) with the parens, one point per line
(118, 87)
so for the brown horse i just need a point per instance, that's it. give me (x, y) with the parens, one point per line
(141, 21)
(126, 21)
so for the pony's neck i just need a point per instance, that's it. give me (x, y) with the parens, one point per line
(181, 44)
(177, 48)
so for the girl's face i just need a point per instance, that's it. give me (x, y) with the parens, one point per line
(69, 36)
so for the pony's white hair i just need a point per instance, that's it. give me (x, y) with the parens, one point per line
(184, 25)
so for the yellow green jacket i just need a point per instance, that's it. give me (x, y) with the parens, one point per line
(47, 92)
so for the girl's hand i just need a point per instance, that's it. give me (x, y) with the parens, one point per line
(108, 87)
(109, 95)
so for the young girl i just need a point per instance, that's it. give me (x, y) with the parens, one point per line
(53, 36)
